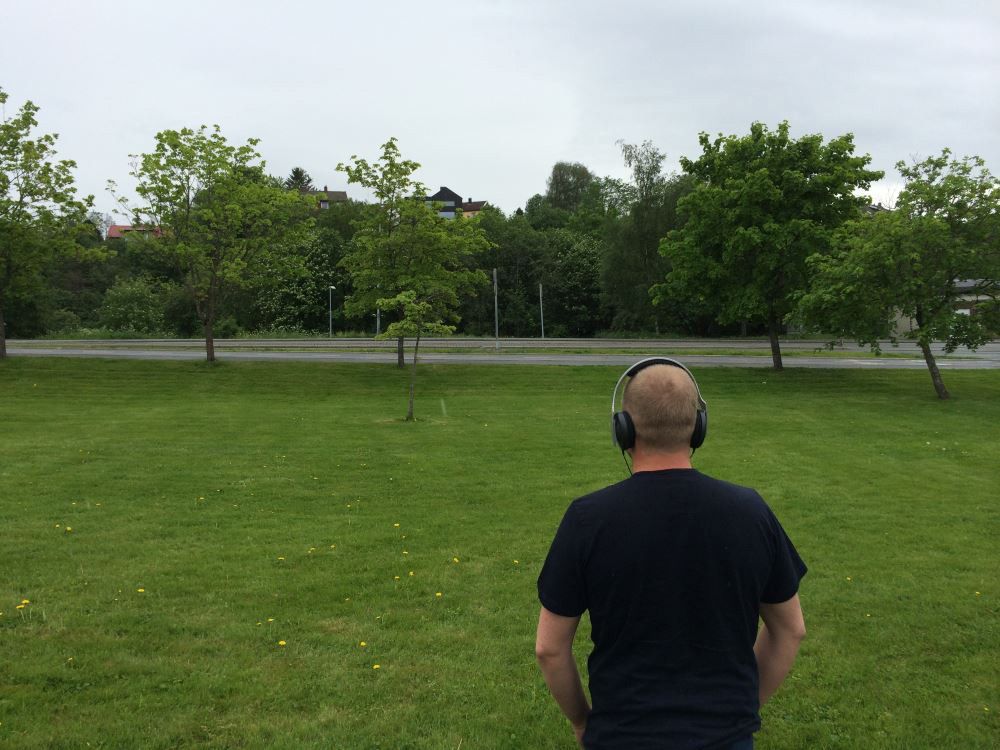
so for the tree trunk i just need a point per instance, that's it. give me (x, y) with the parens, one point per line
(772, 333)
(3, 332)
(209, 340)
(413, 378)
(400, 361)
(942, 392)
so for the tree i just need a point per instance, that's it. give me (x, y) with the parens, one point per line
(406, 259)
(40, 216)
(917, 261)
(299, 179)
(567, 185)
(762, 204)
(647, 208)
(216, 215)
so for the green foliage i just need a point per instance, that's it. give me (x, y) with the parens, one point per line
(132, 305)
(404, 257)
(40, 214)
(918, 262)
(217, 216)
(761, 205)
(567, 185)
(298, 179)
(632, 262)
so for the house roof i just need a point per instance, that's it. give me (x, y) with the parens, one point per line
(118, 231)
(444, 195)
(331, 195)
(473, 205)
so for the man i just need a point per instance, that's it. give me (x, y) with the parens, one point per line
(674, 567)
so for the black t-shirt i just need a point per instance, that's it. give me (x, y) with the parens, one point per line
(672, 566)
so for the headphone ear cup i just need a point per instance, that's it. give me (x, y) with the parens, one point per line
(700, 428)
(624, 430)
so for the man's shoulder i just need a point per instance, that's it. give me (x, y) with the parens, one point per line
(689, 483)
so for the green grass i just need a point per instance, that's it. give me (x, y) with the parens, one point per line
(192, 482)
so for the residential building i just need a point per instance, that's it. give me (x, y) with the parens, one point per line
(451, 202)
(326, 196)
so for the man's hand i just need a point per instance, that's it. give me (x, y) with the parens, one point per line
(579, 729)
(777, 643)
(554, 651)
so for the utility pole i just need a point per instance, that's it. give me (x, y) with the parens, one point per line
(331, 310)
(378, 321)
(496, 312)
(541, 308)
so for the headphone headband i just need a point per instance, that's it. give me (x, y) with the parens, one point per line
(634, 370)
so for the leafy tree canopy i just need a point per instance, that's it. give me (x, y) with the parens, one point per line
(216, 214)
(761, 205)
(40, 215)
(917, 262)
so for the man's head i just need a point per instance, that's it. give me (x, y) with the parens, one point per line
(663, 403)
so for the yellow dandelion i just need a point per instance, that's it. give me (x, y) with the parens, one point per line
(281, 558)
(376, 666)
(517, 562)
(270, 619)
(454, 559)
(848, 578)
(411, 573)
(19, 606)
(70, 659)
(26, 601)
(260, 623)
(405, 552)
(396, 525)
(362, 644)
(141, 591)
(438, 594)
(395, 578)
(282, 643)
(978, 594)
(333, 546)
(57, 526)
(69, 528)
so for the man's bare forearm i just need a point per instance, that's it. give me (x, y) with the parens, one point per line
(563, 679)
(775, 655)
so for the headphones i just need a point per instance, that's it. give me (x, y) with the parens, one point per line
(622, 426)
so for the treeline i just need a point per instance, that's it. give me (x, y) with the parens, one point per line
(591, 242)
(760, 232)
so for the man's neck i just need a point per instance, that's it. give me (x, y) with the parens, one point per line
(645, 461)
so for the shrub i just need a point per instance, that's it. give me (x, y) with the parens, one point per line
(132, 305)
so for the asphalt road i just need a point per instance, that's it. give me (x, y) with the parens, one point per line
(989, 351)
(694, 360)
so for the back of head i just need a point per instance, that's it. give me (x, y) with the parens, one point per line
(663, 403)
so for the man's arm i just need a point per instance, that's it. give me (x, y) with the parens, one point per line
(778, 643)
(554, 651)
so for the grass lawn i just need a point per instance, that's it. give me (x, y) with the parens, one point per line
(172, 524)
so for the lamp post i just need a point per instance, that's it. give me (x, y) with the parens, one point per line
(496, 313)
(331, 310)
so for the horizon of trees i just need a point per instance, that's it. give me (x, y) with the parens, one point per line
(739, 242)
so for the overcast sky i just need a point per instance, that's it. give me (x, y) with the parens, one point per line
(488, 95)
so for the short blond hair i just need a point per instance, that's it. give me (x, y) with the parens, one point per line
(663, 403)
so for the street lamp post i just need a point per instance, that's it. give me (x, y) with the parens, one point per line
(331, 310)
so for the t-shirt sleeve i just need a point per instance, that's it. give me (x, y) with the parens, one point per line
(787, 568)
(560, 584)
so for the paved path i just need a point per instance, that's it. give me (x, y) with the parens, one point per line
(695, 360)
(989, 351)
